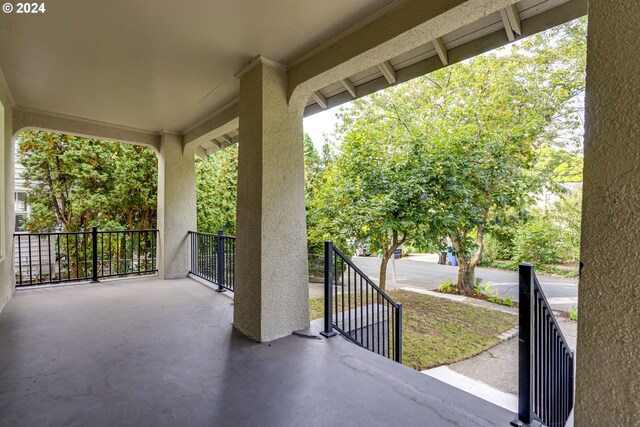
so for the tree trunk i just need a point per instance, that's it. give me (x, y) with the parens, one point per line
(466, 274)
(382, 282)
(466, 267)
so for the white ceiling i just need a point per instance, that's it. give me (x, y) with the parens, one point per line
(157, 64)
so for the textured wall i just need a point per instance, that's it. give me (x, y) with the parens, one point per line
(272, 294)
(176, 205)
(608, 355)
(27, 119)
(7, 277)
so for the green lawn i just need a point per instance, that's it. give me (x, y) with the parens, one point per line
(549, 270)
(440, 332)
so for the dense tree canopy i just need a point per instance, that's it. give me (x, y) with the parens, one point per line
(436, 157)
(216, 191)
(75, 183)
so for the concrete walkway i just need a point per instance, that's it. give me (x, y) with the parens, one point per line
(493, 374)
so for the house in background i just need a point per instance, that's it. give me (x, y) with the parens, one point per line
(21, 206)
(550, 196)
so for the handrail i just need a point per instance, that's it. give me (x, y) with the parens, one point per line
(369, 318)
(213, 258)
(545, 360)
(72, 256)
(202, 233)
(364, 276)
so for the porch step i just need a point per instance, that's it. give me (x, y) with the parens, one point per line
(476, 388)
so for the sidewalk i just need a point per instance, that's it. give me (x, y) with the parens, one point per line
(493, 374)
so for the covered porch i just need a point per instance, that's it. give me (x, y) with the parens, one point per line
(164, 352)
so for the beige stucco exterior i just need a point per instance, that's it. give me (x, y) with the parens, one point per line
(176, 205)
(272, 293)
(608, 376)
(7, 277)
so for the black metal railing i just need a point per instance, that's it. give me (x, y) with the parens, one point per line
(45, 258)
(545, 362)
(213, 258)
(358, 309)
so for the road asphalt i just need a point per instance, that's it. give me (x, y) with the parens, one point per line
(423, 271)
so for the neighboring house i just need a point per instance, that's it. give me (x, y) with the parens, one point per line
(550, 197)
(22, 208)
(33, 257)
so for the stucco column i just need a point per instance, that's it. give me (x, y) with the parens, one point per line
(176, 205)
(272, 287)
(608, 373)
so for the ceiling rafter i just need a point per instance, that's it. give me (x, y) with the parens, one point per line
(511, 21)
(442, 50)
(320, 99)
(514, 19)
(348, 85)
(388, 72)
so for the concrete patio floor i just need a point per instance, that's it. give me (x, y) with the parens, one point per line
(151, 352)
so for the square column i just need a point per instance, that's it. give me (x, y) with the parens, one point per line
(176, 205)
(272, 283)
(608, 376)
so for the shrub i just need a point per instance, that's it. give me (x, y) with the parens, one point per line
(573, 313)
(498, 246)
(446, 287)
(538, 242)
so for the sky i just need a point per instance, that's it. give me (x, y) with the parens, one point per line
(319, 125)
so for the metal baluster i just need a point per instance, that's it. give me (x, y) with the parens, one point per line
(349, 297)
(20, 258)
(39, 258)
(328, 292)
(30, 261)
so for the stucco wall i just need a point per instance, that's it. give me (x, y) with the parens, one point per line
(272, 294)
(176, 206)
(7, 278)
(608, 374)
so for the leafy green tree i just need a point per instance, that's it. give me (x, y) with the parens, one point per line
(375, 190)
(559, 165)
(441, 155)
(216, 191)
(75, 183)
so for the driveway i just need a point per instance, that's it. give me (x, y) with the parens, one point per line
(423, 271)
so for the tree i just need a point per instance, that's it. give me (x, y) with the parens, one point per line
(75, 183)
(216, 191)
(439, 156)
(375, 190)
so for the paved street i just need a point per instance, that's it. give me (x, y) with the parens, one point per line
(424, 272)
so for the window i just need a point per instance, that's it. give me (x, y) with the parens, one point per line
(21, 209)
(21, 220)
(21, 201)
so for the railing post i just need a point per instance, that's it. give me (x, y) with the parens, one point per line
(525, 347)
(220, 260)
(328, 280)
(94, 255)
(398, 334)
(192, 265)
